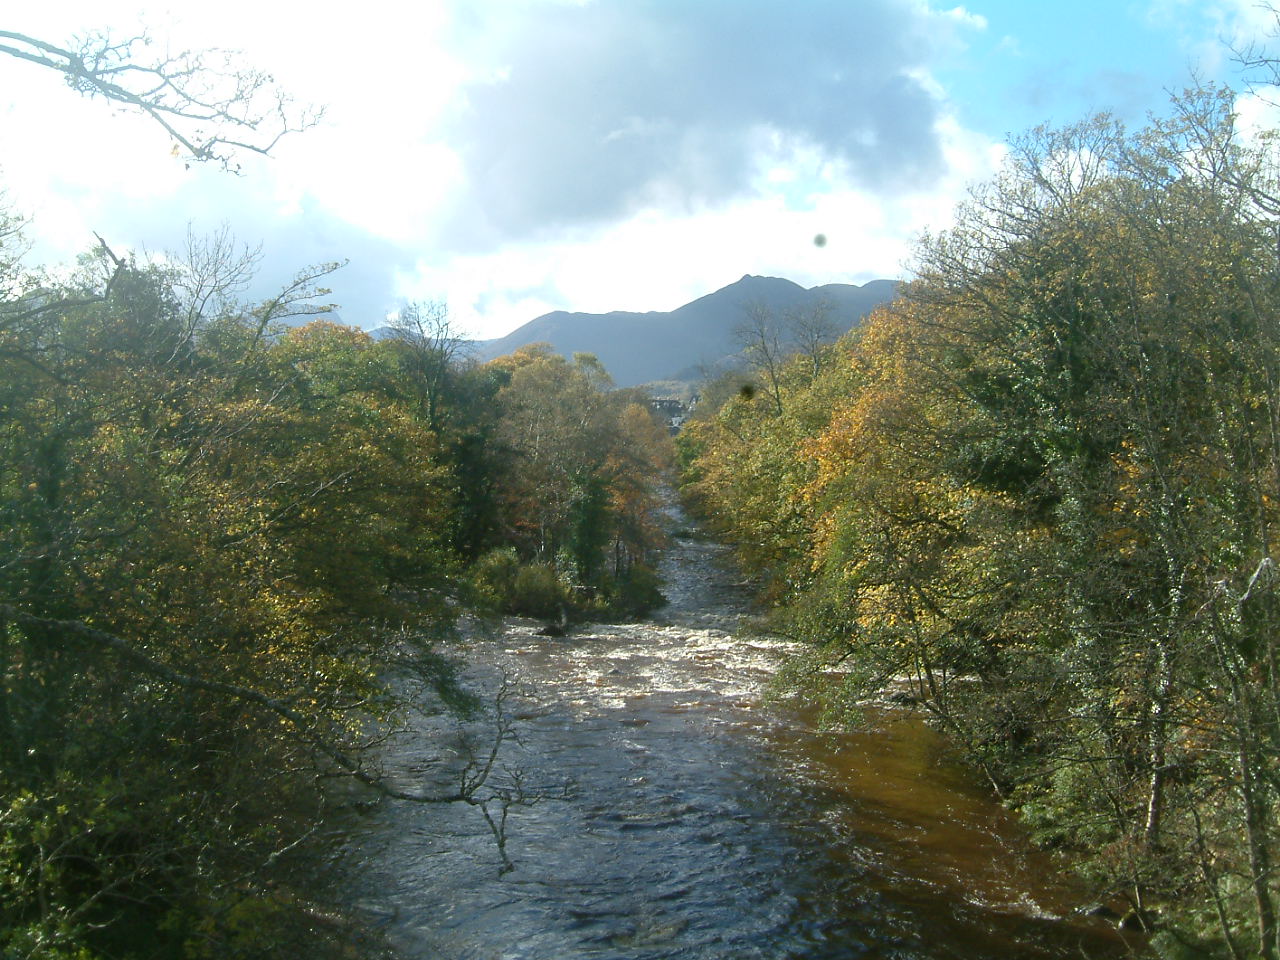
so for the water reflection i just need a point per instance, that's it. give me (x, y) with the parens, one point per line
(705, 823)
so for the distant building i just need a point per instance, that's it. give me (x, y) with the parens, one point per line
(674, 410)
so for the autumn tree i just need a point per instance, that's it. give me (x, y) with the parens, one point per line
(220, 539)
(1043, 504)
(580, 499)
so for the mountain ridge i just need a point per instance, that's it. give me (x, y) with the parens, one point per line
(644, 347)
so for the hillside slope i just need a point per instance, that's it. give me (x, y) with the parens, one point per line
(642, 347)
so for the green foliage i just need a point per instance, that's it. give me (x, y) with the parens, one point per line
(588, 532)
(636, 592)
(538, 592)
(1038, 496)
(580, 499)
(493, 577)
(218, 539)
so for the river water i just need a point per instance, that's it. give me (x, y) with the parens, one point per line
(682, 815)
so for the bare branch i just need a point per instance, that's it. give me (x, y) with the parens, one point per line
(433, 346)
(210, 104)
(765, 347)
(214, 271)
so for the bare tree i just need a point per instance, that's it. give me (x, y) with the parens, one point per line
(433, 344)
(765, 347)
(813, 330)
(770, 340)
(212, 105)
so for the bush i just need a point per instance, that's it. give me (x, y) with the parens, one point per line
(504, 584)
(637, 593)
(538, 592)
(493, 577)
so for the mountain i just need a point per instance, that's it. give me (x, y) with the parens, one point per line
(640, 348)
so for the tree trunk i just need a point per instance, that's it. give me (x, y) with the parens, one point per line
(1259, 855)
(1158, 741)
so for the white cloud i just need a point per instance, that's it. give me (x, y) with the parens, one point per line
(963, 17)
(379, 182)
(660, 259)
(1256, 115)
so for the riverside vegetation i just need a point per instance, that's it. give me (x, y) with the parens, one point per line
(228, 549)
(1039, 495)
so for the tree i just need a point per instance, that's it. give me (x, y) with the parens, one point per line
(432, 348)
(765, 346)
(813, 332)
(1044, 500)
(211, 105)
(579, 497)
(220, 540)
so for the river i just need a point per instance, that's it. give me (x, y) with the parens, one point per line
(682, 815)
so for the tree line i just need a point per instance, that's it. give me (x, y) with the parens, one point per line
(233, 539)
(1038, 497)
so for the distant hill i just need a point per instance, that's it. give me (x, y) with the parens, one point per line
(641, 348)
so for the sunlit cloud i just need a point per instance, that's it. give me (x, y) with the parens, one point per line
(519, 157)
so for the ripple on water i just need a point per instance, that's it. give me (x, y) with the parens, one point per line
(703, 821)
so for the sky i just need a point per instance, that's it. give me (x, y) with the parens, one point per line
(513, 157)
